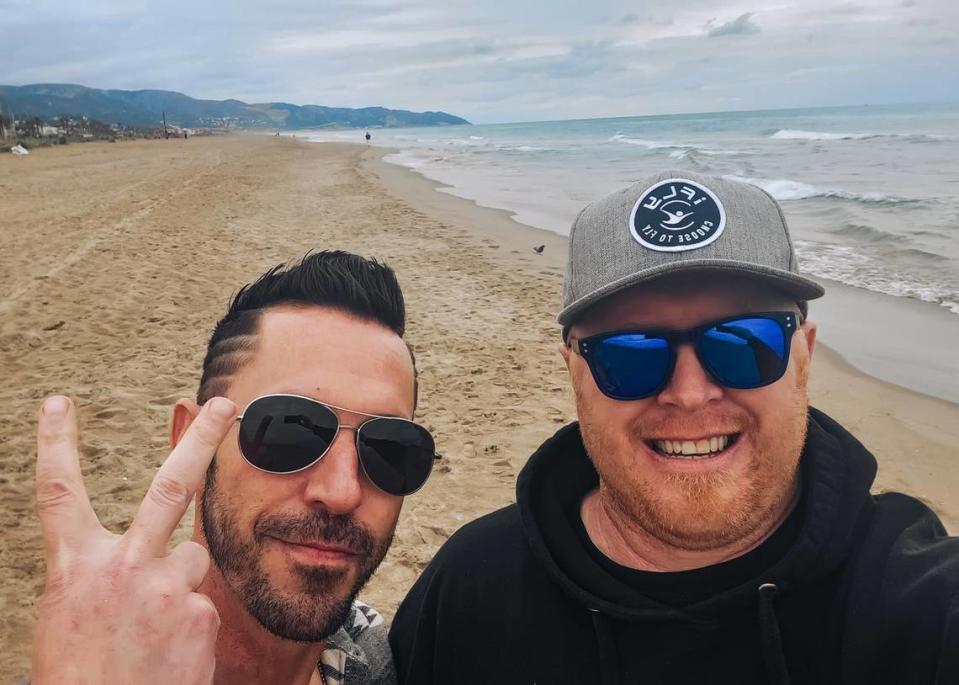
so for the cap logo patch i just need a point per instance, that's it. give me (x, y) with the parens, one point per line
(676, 215)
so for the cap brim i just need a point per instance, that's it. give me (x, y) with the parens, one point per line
(795, 285)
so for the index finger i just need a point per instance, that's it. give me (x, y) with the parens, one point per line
(66, 516)
(180, 475)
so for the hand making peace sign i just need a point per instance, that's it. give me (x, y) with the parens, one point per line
(121, 608)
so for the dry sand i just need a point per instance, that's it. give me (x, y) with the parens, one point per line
(118, 259)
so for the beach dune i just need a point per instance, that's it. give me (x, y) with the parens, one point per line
(119, 259)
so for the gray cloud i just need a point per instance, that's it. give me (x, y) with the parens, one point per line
(847, 10)
(651, 18)
(741, 25)
(498, 60)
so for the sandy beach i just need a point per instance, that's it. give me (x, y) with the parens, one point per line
(118, 259)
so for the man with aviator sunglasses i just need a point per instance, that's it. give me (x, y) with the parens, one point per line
(700, 523)
(298, 495)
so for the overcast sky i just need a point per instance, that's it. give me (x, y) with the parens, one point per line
(497, 60)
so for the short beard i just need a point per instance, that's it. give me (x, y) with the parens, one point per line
(700, 512)
(702, 502)
(314, 613)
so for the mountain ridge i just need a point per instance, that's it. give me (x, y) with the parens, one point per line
(145, 108)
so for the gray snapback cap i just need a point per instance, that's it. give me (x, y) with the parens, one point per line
(679, 222)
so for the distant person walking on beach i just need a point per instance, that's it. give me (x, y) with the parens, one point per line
(297, 497)
(368, 137)
(700, 523)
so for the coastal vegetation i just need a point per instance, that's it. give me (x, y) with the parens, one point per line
(149, 108)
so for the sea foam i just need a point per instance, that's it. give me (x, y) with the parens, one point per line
(648, 144)
(785, 189)
(795, 134)
(678, 150)
(792, 134)
(851, 266)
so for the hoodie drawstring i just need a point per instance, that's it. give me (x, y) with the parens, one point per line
(772, 646)
(608, 655)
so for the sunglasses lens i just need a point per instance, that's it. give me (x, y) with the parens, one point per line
(282, 434)
(745, 353)
(397, 455)
(630, 365)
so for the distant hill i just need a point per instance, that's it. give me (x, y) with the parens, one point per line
(145, 108)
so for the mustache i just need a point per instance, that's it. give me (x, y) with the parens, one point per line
(317, 526)
(673, 424)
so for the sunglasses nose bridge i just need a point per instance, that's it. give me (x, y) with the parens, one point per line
(335, 480)
(690, 384)
(354, 439)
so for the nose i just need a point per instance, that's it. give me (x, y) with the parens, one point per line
(335, 482)
(690, 387)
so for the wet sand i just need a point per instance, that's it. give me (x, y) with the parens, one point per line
(118, 259)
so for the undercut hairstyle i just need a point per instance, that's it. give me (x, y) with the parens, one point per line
(364, 288)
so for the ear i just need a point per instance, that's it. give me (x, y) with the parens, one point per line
(184, 412)
(809, 329)
(566, 351)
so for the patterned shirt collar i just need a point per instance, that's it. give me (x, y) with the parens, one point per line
(344, 662)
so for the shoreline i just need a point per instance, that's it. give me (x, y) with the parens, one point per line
(936, 376)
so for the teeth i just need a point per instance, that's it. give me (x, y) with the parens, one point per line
(690, 449)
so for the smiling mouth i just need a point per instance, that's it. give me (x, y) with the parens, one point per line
(703, 448)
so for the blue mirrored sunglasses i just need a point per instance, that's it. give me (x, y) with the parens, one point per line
(744, 352)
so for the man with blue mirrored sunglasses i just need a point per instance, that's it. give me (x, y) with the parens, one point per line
(700, 523)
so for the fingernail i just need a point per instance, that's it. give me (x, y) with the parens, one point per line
(222, 408)
(56, 405)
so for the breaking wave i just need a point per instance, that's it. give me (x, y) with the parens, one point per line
(894, 246)
(648, 144)
(795, 134)
(785, 189)
(865, 233)
(679, 150)
(851, 266)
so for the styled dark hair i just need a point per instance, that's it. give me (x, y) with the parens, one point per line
(347, 282)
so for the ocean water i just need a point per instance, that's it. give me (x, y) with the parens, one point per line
(871, 194)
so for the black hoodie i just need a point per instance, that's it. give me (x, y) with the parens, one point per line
(853, 588)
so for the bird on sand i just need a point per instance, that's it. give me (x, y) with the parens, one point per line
(539, 249)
